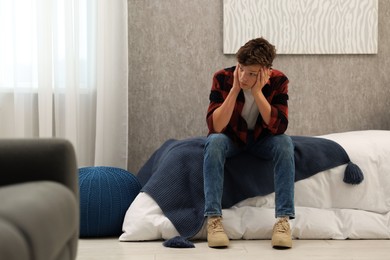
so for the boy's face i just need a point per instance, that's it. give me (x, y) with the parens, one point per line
(247, 75)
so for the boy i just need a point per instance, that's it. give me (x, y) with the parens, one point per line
(248, 112)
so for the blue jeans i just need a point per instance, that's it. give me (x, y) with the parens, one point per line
(278, 148)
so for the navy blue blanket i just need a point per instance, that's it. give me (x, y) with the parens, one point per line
(173, 176)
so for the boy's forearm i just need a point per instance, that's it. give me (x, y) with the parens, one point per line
(221, 116)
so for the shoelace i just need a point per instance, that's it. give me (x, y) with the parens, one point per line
(216, 226)
(281, 226)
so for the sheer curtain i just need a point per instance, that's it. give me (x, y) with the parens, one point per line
(64, 74)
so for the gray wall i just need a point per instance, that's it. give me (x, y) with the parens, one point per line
(175, 46)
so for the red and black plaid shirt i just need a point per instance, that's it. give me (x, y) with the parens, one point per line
(276, 93)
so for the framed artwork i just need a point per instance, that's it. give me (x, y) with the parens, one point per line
(303, 26)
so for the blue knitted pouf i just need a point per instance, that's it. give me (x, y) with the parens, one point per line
(105, 195)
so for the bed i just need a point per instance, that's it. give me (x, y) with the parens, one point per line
(326, 207)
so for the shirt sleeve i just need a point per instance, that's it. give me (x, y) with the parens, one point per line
(220, 88)
(279, 108)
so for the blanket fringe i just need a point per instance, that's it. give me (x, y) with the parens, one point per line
(178, 242)
(353, 174)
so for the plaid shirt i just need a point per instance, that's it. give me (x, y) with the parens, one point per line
(275, 92)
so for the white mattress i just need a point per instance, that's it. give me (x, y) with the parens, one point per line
(326, 207)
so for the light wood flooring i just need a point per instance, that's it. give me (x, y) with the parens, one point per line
(111, 248)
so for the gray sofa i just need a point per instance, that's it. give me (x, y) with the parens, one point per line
(39, 200)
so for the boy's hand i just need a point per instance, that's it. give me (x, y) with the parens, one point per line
(236, 81)
(262, 79)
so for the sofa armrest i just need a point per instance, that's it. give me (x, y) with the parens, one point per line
(24, 160)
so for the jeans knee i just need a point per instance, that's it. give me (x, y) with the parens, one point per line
(216, 146)
(216, 141)
(284, 144)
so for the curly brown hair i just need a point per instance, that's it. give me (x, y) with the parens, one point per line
(257, 51)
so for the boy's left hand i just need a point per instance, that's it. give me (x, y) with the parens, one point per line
(262, 79)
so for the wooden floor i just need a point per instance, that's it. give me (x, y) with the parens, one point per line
(107, 249)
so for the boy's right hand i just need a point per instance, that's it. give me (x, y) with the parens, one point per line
(236, 81)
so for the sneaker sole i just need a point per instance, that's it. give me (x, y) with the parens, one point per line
(281, 245)
(220, 244)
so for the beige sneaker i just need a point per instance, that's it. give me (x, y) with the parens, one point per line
(281, 237)
(216, 236)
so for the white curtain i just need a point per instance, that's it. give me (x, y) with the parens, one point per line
(64, 74)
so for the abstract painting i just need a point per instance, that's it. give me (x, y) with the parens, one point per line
(303, 26)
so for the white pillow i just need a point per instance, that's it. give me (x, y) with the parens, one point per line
(144, 220)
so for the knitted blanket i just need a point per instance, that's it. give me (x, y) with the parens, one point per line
(173, 176)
